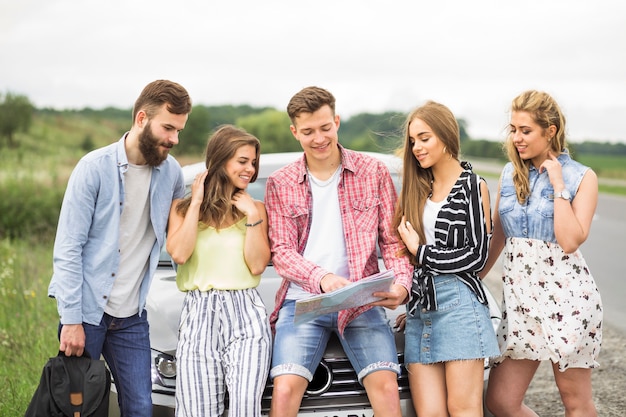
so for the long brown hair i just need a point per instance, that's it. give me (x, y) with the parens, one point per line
(417, 181)
(545, 112)
(216, 208)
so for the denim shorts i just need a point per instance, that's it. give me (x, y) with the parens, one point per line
(367, 341)
(460, 328)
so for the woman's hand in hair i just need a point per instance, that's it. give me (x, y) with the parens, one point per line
(245, 203)
(197, 188)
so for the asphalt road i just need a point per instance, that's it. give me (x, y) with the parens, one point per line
(605, 253)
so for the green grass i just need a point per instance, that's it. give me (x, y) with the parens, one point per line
(605, 166)
(612, 189)
(28, 321)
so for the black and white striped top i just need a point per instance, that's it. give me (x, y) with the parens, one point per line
(461, 244)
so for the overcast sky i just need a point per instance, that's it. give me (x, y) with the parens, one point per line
(374, 56)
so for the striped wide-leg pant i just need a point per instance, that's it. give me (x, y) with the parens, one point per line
(224, 343)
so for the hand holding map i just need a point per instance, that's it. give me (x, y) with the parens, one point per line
(356, 294)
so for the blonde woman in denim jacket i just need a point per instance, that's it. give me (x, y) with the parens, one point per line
(552, 308)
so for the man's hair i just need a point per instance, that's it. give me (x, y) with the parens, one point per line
(309, 100)
(160, 92)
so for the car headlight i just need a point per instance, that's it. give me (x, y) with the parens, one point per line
(166, 365)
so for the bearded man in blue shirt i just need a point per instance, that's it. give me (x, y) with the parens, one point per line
(110, 232)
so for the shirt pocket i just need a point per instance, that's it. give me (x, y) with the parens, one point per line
(508, 198)
(365, 212)
(545, 207)
(295, 213)
(447, 292)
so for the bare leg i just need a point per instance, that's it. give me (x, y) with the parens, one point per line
(464, 384)
(428, 389)
(382, 391)
(508, 383)
(287, 395)
(575, 388)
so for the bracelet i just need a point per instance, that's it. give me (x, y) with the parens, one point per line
(255, 223)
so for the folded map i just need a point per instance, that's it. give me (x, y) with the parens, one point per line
(356, 294)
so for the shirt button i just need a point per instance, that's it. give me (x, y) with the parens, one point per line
(426, 335)
(423, 310)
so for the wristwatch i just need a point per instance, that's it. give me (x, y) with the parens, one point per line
(563, 194)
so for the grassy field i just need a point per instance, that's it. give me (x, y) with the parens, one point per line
(605, 166)
(28, 321)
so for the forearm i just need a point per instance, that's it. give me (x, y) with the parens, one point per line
(495, 248)
(292, 266)
(572, 221)
(67, 281)
(256, 245)
(182, 233)
(468, 259)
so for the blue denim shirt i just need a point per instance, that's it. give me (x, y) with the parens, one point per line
(535, 218)
(86, 250)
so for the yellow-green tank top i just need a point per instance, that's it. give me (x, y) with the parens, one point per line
(217, 261)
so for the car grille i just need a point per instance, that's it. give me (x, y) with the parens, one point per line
(335, 383)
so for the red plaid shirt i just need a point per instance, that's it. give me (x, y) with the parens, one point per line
(367, 199)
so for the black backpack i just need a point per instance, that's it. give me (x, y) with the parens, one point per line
(72, 386)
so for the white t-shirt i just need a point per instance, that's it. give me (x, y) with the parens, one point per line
(326, 245)
(431, 210)
(136, 242)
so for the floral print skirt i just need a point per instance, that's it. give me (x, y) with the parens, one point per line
(551, 306)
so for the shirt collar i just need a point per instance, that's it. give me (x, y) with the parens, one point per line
(122, 159)
(346, 160)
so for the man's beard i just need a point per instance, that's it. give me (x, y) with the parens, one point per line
(149, 147)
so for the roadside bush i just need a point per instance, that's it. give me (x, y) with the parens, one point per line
(29, 209)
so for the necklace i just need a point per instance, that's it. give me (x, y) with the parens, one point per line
(324, 183)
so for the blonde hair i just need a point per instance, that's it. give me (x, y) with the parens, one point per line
(545, 112)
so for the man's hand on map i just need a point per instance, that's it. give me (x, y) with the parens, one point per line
(332, 282)
(396, 296)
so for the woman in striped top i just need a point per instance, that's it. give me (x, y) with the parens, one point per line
(443, 217)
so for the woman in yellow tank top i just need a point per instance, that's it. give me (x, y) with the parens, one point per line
(218, 237)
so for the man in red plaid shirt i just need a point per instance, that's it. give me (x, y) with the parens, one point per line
(327, 212)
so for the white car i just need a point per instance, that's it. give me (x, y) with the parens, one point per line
(334, 391)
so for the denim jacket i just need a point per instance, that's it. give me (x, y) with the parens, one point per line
(535, 218)
(86, 250)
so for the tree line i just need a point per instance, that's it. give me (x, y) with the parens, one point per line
(378, 132)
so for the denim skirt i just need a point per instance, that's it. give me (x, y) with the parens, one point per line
(460, 328)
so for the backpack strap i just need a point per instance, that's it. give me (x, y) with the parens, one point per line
(76, 367)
